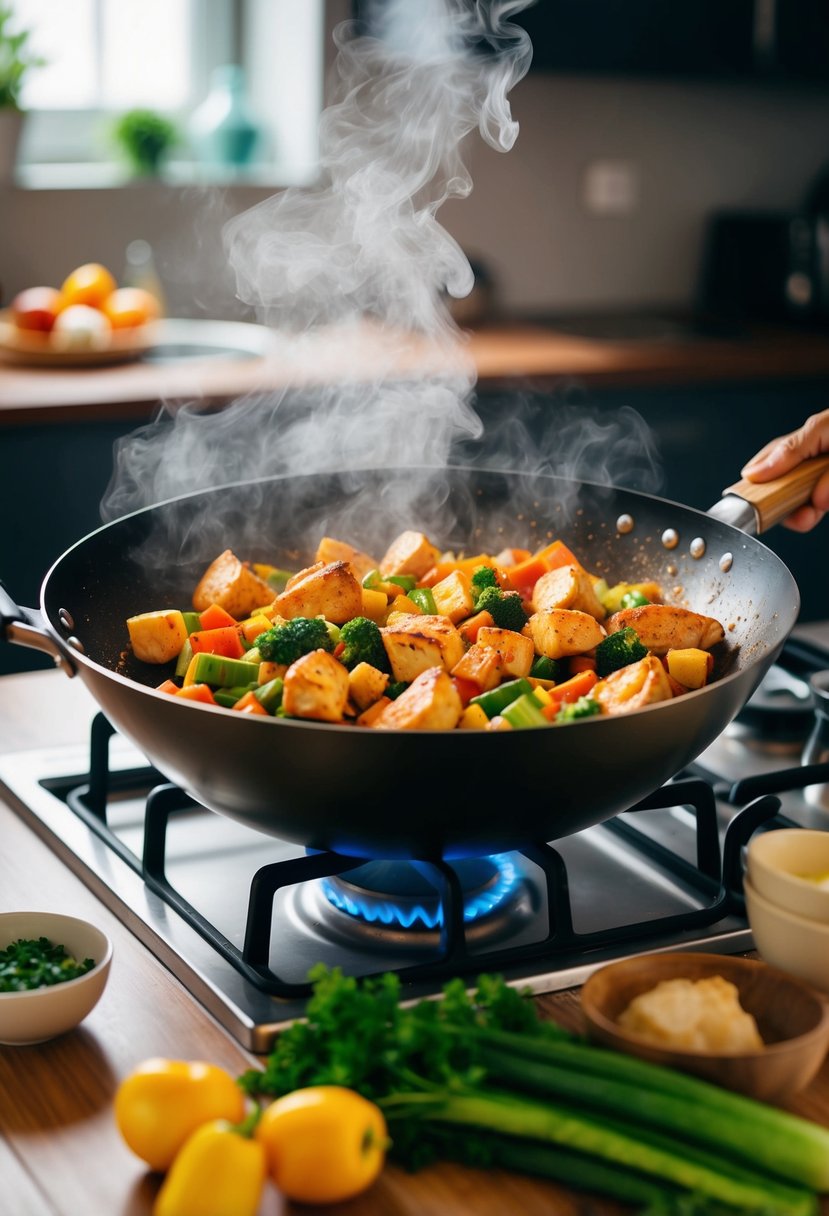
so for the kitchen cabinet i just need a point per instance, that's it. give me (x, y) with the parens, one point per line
(696, 38)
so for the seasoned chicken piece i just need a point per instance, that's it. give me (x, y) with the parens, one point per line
(634, 686)
(328, 590)
(366, 685)
(331, 550)
(232, 585)
(564, 631)
(453, 596)
(316, 686)
(431, 702)
(157, 637)
(567, 587)
(301, 574)
(516, 651)
(412, 553)
(482, 665)
(417, 641)
(664, 627)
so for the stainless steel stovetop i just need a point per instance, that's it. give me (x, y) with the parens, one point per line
(652, 879)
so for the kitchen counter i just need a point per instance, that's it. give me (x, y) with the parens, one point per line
(61, 1154)
(540, 355)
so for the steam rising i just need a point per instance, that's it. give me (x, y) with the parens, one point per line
(360, 261)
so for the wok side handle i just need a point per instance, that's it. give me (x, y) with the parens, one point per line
(24, 627)
(772, 501)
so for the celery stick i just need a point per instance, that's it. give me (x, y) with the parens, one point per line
(793, 1148)
(216, 670)
(524, 1117)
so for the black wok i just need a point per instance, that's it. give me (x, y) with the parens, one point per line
(384, 794)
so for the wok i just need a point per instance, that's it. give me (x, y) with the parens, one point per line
(398, 794)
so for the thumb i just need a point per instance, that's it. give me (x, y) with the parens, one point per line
(785, 453)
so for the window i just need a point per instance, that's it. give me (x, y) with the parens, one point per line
(107, 56)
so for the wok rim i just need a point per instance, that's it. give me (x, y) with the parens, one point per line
(764, 660)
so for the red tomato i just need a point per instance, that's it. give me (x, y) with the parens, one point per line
(36, 308)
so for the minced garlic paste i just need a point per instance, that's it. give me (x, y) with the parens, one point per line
(695, 1015)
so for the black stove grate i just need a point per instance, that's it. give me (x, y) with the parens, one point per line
(715, 877)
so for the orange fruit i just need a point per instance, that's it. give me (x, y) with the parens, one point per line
(130, 306)
(88, 284)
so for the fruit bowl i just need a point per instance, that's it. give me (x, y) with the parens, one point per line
(38, 1014)
(32, 348)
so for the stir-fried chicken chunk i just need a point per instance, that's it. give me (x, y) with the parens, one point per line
(316, 687)
(232, 585)
(563, 631)
(633, 687)
(431, 702)
(328, 590)
(567, 587)
(664, 627)
(417, 641)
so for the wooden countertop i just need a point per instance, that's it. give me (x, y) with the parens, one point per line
(60, 1153)
(522, 354)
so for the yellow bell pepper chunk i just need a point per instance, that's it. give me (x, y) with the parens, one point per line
(218, 1170)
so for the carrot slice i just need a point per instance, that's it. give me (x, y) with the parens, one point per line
(169, 686)
(577, 686)
(250, 704)
(198, 692)
(224, 641)
(469, 628)
(215, 617)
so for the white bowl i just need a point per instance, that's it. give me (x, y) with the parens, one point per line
(793, 943)
(783, 867)
(43, 1013)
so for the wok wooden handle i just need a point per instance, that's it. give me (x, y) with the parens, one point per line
(775, 500)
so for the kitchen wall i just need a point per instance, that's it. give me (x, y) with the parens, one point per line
(686, 148)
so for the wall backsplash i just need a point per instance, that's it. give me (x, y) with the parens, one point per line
(694, 147)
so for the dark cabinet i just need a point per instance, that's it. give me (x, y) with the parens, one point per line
(642, 37)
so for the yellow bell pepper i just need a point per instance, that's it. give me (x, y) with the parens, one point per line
(220, 1171)
(162, 1102)
(324, 1144)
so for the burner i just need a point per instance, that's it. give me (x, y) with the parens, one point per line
(397, 895)
(398, 902)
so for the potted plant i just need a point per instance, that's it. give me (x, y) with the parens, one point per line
(144, 138)
(16, 60)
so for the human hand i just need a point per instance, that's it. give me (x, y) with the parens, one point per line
(785, 453)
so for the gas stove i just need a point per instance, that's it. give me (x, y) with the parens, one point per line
(241, 918)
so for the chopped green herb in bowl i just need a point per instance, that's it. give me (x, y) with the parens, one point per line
(53, 969)
(38, 963)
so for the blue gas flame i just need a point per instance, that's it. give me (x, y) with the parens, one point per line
(419, 916)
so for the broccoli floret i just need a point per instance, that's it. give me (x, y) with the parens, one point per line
(394, 688)
(483, 577)
(363, 644)
(292, 639)
(504, 607)
(617, 650)
(585, 707)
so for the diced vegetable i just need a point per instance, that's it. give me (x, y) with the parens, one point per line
(690, 667)
(215, 617)
(423, 599)
(220, 672)
(524, 712)
(222, 641)
(497, 699)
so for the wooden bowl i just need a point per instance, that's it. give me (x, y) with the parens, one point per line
(793, 1020)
